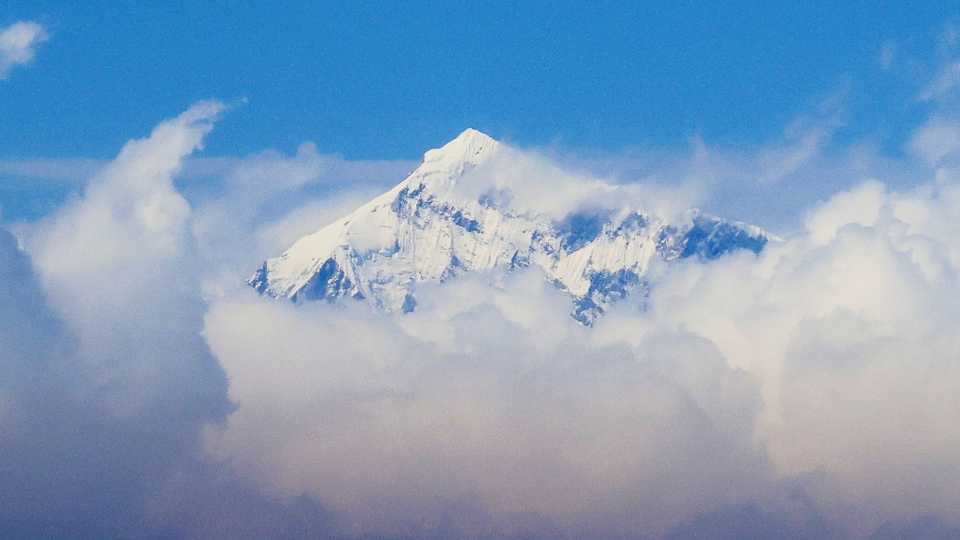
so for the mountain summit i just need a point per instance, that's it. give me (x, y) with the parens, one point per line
(429, 228)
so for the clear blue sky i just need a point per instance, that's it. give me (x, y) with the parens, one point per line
(387, 80)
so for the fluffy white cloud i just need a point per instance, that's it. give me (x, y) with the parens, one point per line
(107, 381)
(483, 413)
(18, 44)
(122, 246)
(847, 327)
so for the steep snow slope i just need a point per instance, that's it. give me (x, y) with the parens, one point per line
(428, 228)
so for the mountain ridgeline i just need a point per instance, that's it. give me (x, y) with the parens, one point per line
(427, 230)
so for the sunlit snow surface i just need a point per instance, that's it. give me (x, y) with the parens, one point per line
(427, 230)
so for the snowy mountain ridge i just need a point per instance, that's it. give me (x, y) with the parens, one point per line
(426, 229)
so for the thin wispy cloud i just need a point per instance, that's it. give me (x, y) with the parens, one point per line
(803, 140)
(69, 170)
(80, 170)
(887, 55)
(945, 82)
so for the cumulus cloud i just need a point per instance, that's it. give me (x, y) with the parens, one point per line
(483, 415)
(107, 379)
(130, 228)
(845, 326)
(18, 44)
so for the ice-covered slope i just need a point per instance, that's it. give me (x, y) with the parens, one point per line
(426, 229)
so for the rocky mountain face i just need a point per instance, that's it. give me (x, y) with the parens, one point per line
(426, 229)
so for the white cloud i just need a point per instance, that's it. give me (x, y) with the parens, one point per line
(121, 246)
(106, 378)
(861, 206)
(18, 44)
(485, 410)
(846, 327)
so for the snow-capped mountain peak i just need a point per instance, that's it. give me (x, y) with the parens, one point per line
(471, 147)
(442, 167)
(426, 229)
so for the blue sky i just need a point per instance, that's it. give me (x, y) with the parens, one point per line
(618, 85)
(367, 80)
